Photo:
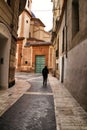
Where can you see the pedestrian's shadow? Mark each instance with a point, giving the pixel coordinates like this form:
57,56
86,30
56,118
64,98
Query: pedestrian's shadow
46,88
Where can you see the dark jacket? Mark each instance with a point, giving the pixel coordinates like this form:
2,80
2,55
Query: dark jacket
45,72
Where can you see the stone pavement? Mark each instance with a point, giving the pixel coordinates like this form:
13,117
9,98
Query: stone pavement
10,96
69,114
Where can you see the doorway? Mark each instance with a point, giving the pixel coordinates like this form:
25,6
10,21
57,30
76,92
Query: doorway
5,42
62,70
40,63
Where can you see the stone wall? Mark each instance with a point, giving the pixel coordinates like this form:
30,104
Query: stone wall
9,13
14,27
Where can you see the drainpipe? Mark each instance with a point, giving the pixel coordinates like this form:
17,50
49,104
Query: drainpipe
66,24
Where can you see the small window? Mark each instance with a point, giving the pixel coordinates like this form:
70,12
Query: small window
75,17
26,21
29,34
63,40
26,62
57,66
57,53
1,61
58,47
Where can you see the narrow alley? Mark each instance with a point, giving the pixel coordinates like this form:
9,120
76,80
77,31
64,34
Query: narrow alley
30,106
34,35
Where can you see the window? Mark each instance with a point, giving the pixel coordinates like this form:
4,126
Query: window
29,34
57,50
57,66
63,40
26,62
26,21
56,53
75,17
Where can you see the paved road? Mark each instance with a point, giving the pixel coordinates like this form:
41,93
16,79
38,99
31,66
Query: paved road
34,110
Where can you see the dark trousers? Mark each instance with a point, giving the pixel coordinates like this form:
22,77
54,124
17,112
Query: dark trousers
44,81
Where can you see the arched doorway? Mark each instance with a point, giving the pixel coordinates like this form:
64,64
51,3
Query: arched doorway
5,43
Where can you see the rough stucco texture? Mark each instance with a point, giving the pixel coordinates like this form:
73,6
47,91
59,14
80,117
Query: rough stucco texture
75,74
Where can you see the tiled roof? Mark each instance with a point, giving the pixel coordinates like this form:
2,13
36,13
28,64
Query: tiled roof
37,44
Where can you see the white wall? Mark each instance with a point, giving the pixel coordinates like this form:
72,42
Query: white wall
19,25
26,26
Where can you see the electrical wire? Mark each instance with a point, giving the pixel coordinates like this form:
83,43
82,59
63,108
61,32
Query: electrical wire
42,10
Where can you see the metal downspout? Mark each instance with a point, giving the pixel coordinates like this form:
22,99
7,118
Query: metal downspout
66,26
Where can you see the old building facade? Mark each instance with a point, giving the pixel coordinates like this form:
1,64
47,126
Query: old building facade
71,35
34,48
57,37
9,12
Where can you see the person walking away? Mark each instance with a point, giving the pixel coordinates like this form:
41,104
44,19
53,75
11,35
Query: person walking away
45,72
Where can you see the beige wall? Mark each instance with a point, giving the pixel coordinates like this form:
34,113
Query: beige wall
24,25
38,32
75,65
73,73
8,32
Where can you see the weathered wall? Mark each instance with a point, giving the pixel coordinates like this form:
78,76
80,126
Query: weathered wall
24,24
75,78
75,65
9,20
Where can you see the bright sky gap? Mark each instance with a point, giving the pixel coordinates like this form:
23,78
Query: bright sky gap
43,10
